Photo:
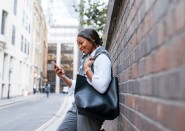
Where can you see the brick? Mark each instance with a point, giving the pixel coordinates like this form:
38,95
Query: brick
170,22
148,65
147,45
160,9
170,85
141,68
153,127
180,16
147,5
153,39
133,11
182,84
161,83
160,33
134,71
155,85
137,121
140,50
143,49
137,53
138,104
130,45
129,87
165,115
162,59
129,100
130,115
179,119
122,111
136,87
121,77
176,52
137,3
134,56
129,73
150,109
146,87
131,59
146,107
134,40
148,22
171,88
139,33
125,85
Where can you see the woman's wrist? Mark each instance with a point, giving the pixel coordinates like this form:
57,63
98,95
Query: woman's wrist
67,80
86,70
63,77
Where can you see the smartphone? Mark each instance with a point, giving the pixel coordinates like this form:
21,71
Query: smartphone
55,64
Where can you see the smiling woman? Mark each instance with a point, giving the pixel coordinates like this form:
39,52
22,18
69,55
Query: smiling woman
89,44
85,45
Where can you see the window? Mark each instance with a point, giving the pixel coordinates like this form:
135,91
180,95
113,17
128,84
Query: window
25,46
13,35
23,19
28,48
3,23
29,29
15,7
22,42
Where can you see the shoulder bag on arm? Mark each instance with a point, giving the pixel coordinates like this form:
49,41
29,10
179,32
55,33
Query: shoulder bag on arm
91,103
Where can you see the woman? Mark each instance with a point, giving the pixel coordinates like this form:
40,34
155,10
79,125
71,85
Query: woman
89,44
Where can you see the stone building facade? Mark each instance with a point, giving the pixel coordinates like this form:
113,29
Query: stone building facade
146,40
23,45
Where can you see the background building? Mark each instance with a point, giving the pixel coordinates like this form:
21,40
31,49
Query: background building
39,47
62,31
17,67
146,39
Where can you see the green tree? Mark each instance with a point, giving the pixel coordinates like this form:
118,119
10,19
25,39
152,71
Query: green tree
93,13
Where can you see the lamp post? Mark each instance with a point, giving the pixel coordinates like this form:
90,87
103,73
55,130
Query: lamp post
10,72
34,82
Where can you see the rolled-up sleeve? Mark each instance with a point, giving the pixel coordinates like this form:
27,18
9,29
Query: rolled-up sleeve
72,87
102,73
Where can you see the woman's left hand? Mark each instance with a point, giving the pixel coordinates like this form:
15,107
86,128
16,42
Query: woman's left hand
88,62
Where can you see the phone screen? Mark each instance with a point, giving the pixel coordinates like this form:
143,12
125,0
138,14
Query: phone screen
57,66
54,64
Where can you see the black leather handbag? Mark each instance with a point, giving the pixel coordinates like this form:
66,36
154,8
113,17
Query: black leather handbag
91,103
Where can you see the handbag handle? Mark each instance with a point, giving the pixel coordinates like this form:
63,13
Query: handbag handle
104,52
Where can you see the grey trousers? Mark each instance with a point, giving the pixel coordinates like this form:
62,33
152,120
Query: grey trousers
75,122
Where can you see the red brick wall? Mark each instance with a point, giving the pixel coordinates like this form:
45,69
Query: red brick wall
146,40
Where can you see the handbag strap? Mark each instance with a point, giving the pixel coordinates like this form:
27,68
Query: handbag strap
100,51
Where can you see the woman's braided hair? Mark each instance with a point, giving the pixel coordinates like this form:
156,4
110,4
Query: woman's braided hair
91,35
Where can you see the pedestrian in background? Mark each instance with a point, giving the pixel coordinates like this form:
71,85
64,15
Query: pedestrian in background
89,44
34,89
47,90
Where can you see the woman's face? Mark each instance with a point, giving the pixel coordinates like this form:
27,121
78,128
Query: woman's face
85,45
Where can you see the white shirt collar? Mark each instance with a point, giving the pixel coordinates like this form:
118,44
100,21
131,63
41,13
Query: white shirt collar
93,53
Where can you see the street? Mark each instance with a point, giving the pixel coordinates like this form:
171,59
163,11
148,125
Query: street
30,114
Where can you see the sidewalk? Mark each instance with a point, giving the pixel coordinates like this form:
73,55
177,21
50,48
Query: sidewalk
15,100
55,121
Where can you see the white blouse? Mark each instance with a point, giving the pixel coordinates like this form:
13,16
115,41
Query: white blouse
102,73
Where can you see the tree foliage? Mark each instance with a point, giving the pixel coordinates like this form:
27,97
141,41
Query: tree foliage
93,13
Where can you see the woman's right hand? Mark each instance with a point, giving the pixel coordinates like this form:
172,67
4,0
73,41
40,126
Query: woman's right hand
59,71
